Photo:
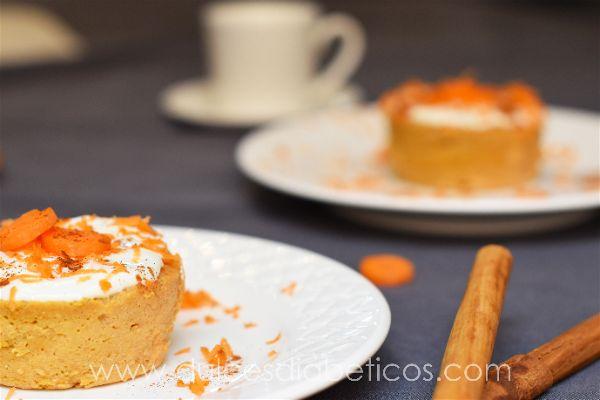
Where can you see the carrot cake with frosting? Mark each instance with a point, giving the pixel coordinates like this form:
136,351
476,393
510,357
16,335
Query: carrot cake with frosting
84,301
459,133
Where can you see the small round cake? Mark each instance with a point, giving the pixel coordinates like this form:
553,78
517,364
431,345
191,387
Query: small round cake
461,134
84,301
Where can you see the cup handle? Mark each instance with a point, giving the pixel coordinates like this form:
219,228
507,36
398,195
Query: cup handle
352,48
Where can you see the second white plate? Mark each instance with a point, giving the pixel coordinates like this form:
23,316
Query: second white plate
335,157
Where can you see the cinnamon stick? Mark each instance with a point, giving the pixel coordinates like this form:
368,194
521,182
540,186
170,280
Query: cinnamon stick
527,376
471,342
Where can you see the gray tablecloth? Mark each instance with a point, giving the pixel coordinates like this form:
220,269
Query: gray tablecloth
88,138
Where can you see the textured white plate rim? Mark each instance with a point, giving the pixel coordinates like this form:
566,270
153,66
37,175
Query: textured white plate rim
359,356
373,337
372,201
168,104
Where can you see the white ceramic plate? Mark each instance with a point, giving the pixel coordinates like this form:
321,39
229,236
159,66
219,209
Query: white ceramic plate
335,157
333,321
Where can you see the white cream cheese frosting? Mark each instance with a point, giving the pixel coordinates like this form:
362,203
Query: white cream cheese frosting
477,118
129,262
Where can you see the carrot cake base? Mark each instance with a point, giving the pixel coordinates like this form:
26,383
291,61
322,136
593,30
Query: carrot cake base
90,342
450,157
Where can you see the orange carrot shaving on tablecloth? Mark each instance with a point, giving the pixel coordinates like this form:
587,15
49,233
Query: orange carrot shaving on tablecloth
387,269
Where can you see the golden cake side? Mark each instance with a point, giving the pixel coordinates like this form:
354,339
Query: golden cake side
481,137
59,345
79,308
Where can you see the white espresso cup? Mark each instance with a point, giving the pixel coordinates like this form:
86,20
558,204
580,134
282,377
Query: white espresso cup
263,56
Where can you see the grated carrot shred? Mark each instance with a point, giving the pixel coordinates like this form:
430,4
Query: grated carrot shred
198,385
275,339
199,299
105,285
233,311
249,325
182,351
289,289
209,319
220,354
190,323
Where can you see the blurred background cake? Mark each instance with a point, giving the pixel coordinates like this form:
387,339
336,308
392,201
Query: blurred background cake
462,134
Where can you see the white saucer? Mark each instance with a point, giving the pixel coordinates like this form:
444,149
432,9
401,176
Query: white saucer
323,156
189,102
331,323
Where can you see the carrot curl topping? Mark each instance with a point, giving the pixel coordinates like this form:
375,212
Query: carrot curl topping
26,228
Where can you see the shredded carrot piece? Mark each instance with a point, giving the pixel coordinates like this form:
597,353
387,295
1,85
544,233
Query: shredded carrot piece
10,393
26,228
198,299
182,351
197,386
275,339
105,285
191,322
136,221
220,354
387,269
74,243
209,319
249,325
591,182
463,91
233,311
272,354
289,289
